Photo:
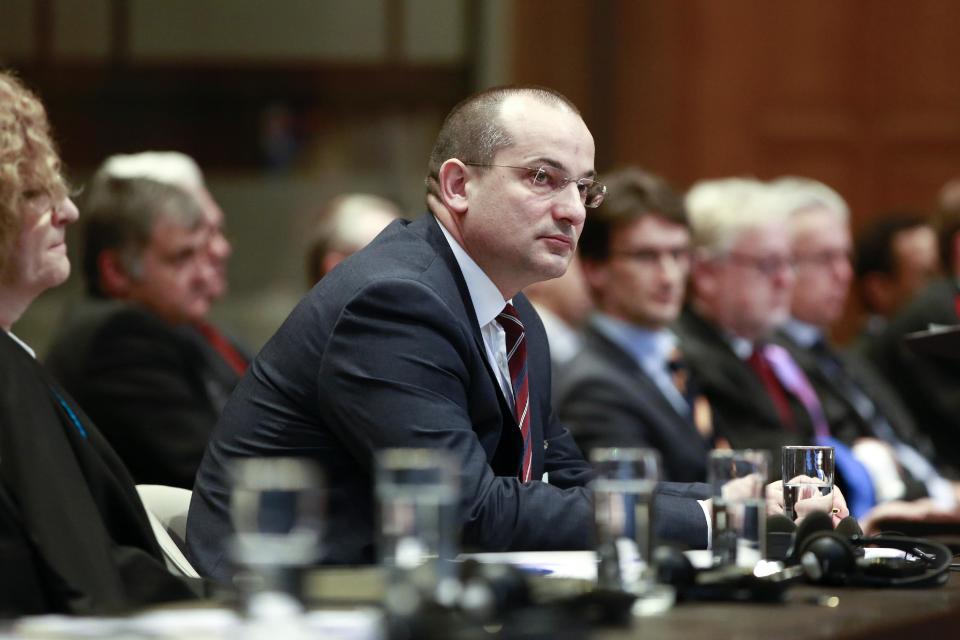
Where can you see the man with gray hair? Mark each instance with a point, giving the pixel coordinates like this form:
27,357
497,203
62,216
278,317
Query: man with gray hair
134,354
344,225
180,170
742,281
862,410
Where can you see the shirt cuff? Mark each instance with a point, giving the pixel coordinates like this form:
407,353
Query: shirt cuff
707,515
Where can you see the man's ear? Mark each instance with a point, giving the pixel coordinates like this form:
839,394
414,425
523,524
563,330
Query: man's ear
452,181
115,281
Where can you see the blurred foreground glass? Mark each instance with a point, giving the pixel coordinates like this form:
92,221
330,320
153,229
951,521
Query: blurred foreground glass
808,474
623,490
737,481
277,512
418,492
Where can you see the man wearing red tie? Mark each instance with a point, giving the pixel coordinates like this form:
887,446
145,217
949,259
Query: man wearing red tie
423,339
139,355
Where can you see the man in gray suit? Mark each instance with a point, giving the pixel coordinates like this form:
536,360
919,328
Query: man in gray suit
628,386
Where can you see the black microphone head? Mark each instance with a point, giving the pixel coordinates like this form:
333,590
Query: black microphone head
780,530
779,523
813,523
849,529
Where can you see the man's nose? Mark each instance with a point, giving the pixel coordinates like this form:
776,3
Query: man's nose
570,205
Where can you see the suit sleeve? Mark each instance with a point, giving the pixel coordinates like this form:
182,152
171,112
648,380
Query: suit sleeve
399,371
600,414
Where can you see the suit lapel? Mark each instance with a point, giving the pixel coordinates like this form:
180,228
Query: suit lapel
657,403
429,228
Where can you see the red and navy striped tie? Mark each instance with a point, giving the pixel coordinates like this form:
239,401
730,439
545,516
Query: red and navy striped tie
509,319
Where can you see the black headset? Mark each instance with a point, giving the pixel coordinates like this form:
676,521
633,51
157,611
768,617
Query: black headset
837,557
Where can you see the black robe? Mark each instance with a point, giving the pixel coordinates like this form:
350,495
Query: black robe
71,521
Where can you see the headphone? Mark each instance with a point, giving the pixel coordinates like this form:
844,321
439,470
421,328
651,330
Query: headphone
836,557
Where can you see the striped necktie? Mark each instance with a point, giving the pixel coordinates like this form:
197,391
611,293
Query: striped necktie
509,319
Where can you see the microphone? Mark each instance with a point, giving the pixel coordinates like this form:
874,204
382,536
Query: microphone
816,521
780,532
850,529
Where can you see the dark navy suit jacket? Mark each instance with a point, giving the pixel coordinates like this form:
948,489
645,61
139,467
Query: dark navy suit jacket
386,352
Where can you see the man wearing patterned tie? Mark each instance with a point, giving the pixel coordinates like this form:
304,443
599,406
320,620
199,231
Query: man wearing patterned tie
622,388
419,340
742,281
862,410
138,353
928,381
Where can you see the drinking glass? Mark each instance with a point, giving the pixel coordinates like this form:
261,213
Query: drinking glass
277,509
737,479
623,489
418,492
808,474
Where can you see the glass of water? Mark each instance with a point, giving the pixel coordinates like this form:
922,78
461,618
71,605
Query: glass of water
808,474
737,480
418,491
277,508
623,489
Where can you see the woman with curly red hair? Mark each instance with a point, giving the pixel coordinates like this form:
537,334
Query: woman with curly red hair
74,536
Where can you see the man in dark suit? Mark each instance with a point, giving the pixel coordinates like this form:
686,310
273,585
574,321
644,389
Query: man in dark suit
928,382
862,410
404,345
74,537
138,354
741,279
622,388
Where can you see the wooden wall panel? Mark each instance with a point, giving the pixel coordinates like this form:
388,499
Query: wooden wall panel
861,94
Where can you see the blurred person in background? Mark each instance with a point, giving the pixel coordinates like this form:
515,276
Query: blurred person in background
950,194
563,305
742,280
138,353
860,408
929,381
180,170
896,256
623,388
346,224
74,537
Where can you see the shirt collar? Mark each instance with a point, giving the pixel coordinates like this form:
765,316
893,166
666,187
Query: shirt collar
23,344
804,334
487,300
651,347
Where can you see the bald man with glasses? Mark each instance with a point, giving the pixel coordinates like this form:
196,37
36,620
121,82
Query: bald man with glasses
423,339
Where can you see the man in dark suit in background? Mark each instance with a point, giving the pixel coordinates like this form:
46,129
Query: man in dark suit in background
404,344
929,382
134,354
622,388
741,281
862,410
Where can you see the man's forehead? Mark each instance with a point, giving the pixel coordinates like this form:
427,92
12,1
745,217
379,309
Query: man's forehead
766,238
651,225
541,128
